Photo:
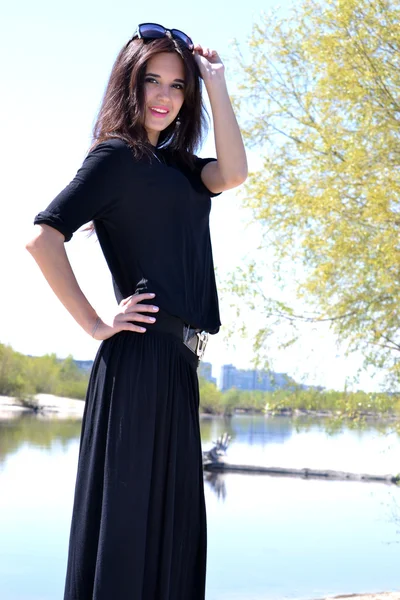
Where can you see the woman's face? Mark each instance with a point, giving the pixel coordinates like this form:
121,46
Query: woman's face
164,87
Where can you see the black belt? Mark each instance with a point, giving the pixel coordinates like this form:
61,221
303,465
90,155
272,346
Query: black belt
194,338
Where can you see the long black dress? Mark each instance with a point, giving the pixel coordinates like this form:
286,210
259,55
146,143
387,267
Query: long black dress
139,523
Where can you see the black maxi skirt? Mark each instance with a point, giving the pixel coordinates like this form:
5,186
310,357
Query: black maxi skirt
138,528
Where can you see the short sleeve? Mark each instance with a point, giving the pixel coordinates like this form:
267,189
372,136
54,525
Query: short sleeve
92,192
199,163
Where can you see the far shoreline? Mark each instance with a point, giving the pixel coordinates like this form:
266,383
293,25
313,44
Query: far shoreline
44,405
49,405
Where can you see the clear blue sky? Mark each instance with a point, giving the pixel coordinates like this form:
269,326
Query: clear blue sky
56,58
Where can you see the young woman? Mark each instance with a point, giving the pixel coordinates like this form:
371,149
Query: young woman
139,524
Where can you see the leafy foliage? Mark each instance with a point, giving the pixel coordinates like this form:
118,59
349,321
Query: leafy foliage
22,376
320,98
340,406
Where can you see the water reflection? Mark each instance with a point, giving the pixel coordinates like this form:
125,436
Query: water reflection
251,429
295,538
216,483
37,432
269,537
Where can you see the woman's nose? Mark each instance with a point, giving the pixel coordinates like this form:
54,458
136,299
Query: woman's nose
164,92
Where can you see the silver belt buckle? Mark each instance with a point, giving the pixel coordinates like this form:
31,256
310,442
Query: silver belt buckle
202,339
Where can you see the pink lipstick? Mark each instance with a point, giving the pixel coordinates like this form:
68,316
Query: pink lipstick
159,111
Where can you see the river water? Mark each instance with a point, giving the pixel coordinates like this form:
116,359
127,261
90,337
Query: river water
269,538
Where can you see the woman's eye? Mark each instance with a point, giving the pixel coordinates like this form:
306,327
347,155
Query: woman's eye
177,86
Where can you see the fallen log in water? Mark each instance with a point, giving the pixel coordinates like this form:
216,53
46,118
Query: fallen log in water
223,467
212,462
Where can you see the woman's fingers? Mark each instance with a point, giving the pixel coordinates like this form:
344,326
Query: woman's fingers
135,298
135,328
129,326
130,311
132,316
105,331
206,52
125,301
142,308
135,307
140,297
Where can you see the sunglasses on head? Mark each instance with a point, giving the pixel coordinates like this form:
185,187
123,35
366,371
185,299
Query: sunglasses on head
153,31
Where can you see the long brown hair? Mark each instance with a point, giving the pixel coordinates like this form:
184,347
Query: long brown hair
122,110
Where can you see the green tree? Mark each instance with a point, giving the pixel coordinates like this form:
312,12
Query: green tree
320,99
44,373
23,376
211,401
13,372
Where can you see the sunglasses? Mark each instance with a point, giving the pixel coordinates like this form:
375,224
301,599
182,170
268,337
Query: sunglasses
153,31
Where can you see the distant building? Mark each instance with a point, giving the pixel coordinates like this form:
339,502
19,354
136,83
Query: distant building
84,365
205,371
252,379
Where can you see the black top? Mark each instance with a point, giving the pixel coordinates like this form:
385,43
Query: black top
152,222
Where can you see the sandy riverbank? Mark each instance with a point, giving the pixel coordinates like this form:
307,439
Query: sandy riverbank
47,405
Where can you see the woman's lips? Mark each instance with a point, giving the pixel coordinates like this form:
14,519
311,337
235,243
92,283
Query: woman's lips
160,115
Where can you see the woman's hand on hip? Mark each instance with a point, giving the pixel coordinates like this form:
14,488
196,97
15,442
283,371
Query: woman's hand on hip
129,309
